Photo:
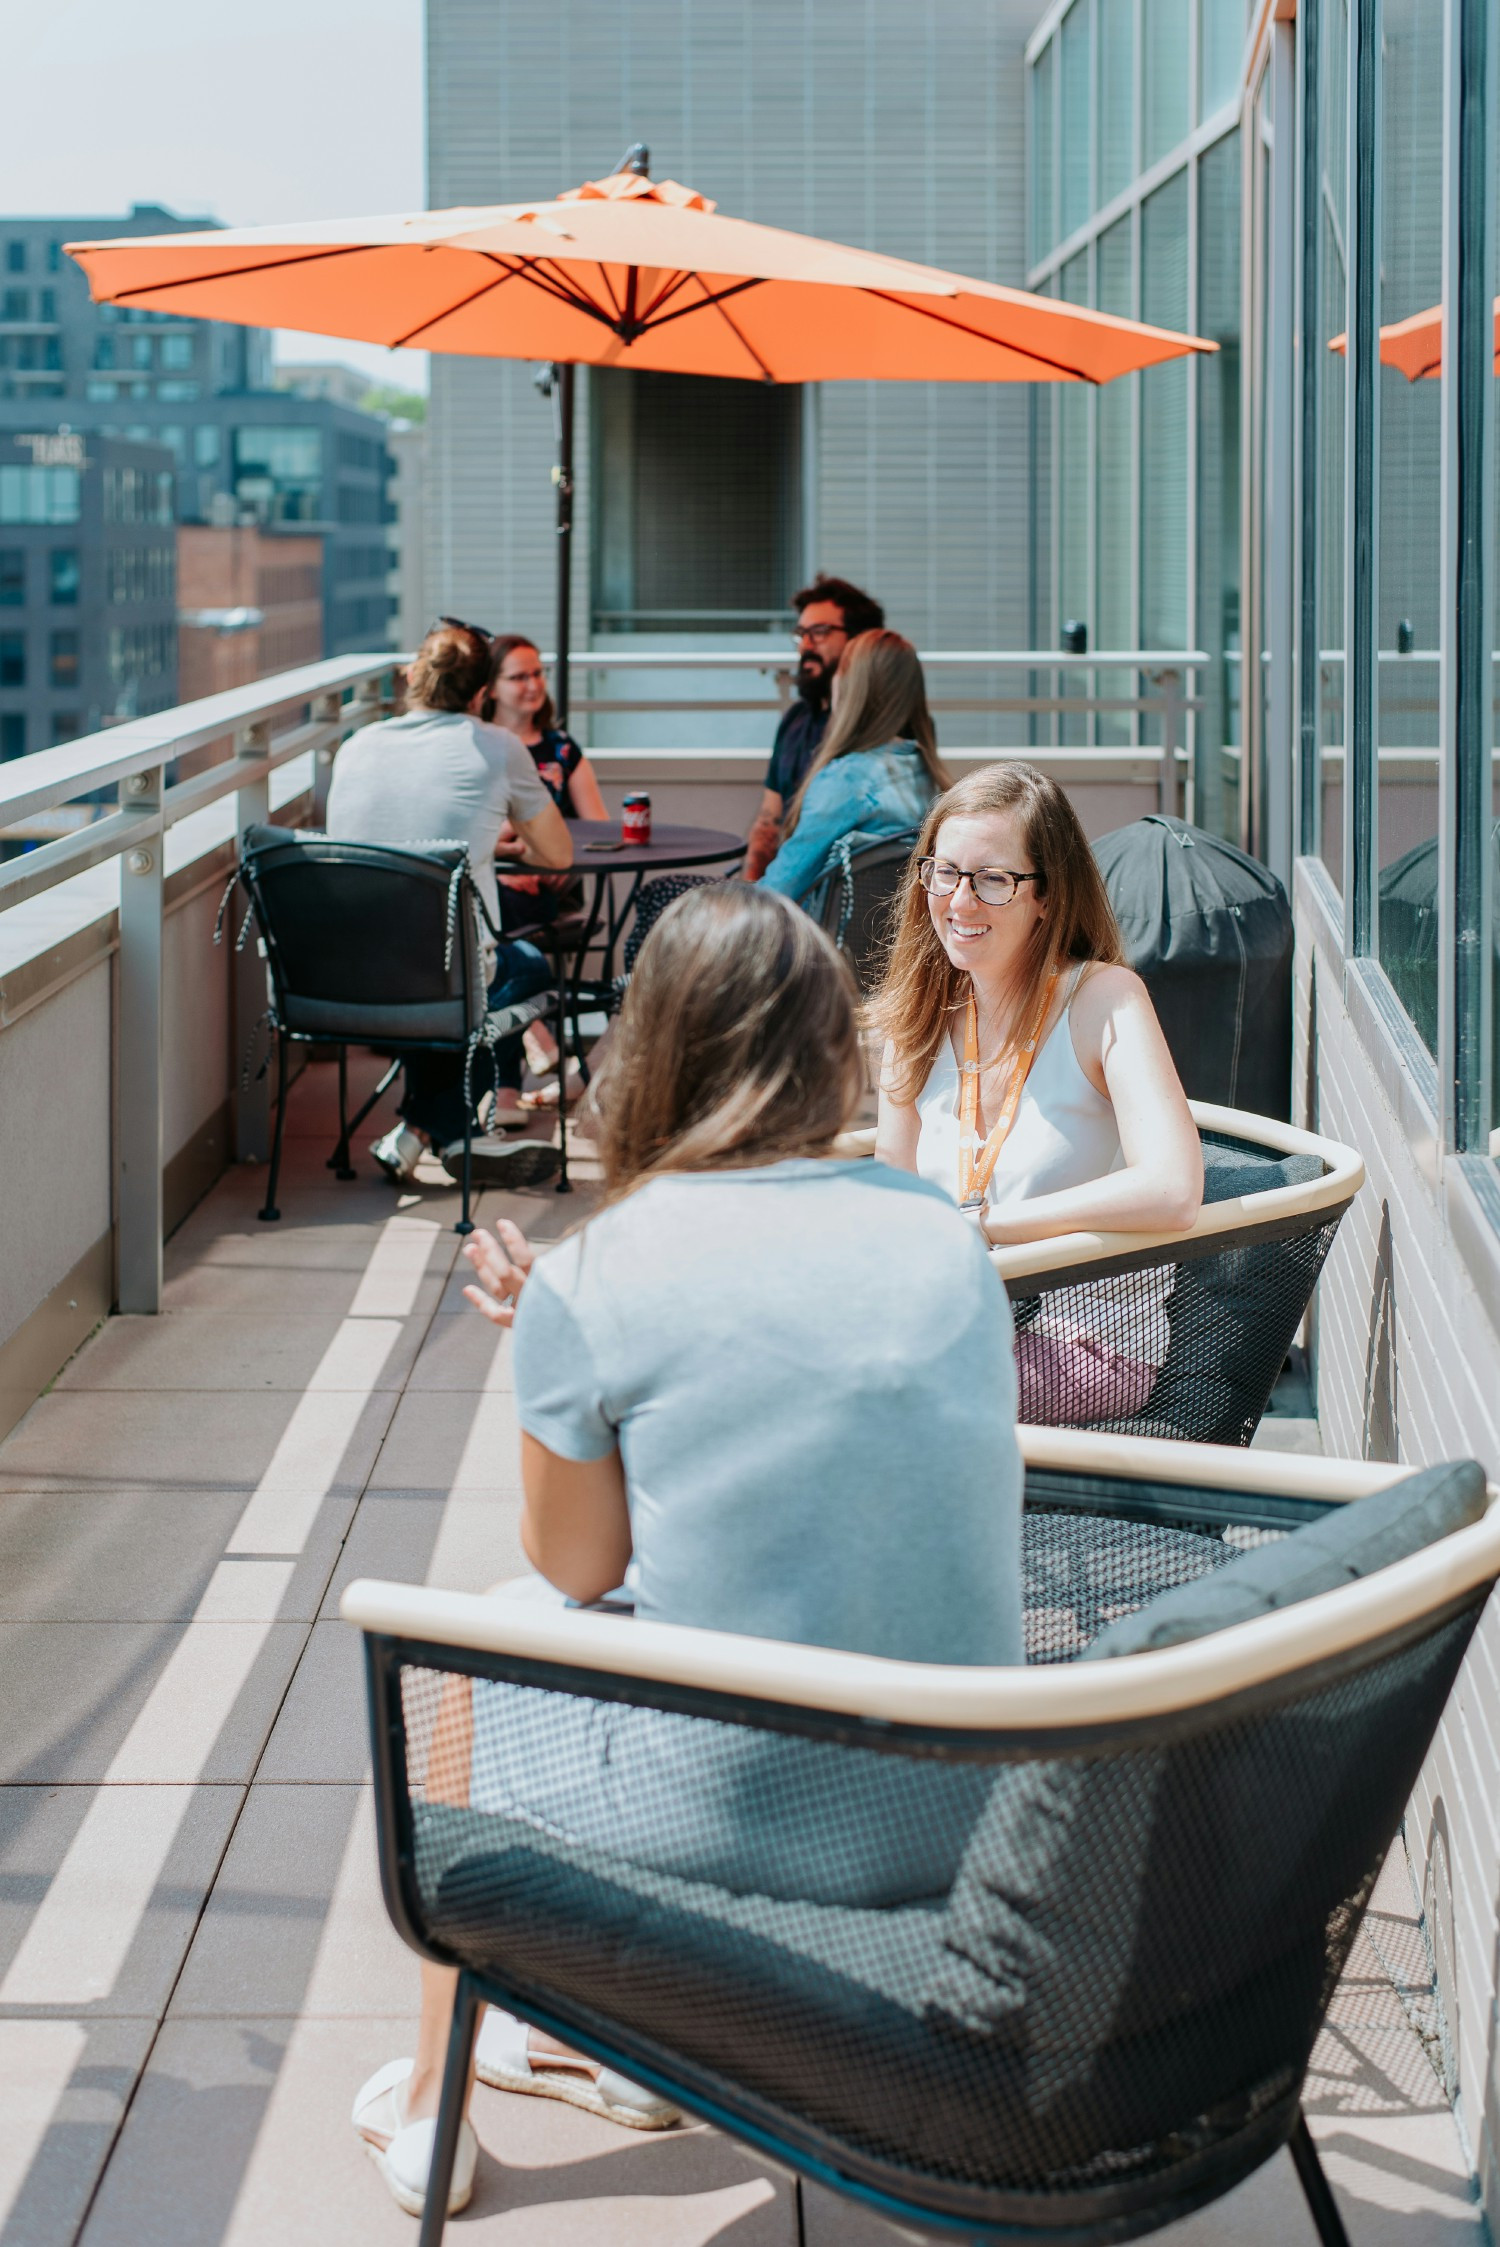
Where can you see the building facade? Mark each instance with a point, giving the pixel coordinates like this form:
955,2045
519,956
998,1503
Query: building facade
1315,184
88,599
249,603
242,450
701,506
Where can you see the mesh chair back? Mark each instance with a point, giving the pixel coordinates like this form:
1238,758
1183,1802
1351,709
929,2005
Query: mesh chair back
1080,1988
1186,1345
365,941
857,907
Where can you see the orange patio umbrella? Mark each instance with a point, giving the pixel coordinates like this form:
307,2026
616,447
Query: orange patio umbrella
1414,346
624,272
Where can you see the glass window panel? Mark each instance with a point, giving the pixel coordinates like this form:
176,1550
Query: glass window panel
1164,56
64,659
1221,41
1116,21
12,734
1409,558
1164,410
1218,605
12,659
1114,475
39,495
206,444
1333,61
1075,125
1043,231
63,576
12,577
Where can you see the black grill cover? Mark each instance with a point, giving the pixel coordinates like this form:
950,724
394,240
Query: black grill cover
1209,931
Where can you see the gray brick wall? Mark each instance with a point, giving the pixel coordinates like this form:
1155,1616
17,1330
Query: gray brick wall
1408,1368
895,124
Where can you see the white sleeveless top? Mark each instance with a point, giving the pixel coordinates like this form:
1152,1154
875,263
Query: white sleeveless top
1064,1134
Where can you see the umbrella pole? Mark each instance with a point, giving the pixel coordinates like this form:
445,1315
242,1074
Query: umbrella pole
564,478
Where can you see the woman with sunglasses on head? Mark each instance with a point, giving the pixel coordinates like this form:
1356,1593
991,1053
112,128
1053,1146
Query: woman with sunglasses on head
1026,1072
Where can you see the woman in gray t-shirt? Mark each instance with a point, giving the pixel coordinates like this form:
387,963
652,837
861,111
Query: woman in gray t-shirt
774,1393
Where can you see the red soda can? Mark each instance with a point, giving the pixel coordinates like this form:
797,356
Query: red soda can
636,826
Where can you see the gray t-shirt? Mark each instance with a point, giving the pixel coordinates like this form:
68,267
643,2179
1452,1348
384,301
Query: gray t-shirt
809,1372
435,776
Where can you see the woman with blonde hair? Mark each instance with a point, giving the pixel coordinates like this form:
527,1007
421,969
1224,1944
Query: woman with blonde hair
727,1403
1025,1070
877,768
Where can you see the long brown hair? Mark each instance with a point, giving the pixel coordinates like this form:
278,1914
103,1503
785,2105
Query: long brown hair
921,987
882,697
736,1045
504,644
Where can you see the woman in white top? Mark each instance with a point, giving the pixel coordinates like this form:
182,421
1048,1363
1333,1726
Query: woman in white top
1006,976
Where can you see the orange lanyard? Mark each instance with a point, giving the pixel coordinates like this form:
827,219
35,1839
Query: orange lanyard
976,1164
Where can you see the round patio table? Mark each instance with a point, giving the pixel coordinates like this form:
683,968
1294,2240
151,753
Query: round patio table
600,849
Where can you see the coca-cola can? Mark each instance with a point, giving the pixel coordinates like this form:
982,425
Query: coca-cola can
636,827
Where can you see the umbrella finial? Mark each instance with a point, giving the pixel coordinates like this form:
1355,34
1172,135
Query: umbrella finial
637,159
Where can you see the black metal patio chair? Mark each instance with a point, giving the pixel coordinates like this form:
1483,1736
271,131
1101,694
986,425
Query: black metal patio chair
1214,1310
369,945
858,897
1103,2017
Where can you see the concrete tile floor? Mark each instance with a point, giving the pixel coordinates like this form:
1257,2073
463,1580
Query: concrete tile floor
196,1969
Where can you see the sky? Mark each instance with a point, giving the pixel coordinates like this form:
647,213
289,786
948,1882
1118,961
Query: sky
282,109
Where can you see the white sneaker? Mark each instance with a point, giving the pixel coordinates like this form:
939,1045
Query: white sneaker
399,1153
402,2150
503,2059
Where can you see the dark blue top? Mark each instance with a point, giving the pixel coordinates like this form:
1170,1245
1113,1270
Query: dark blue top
557,757
796,744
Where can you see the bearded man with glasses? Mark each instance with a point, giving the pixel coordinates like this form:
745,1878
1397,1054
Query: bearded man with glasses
830,613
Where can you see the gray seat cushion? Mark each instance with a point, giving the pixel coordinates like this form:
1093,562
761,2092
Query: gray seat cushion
1349,1541
1036,1895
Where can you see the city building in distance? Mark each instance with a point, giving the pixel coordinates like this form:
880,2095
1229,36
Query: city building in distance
242,451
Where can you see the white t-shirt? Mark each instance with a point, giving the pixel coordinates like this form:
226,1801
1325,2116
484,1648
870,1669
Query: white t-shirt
435,776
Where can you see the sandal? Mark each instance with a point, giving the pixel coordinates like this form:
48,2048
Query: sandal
402,2150
503,2058
545,1096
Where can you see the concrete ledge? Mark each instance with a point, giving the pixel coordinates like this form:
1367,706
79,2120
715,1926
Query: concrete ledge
42,1345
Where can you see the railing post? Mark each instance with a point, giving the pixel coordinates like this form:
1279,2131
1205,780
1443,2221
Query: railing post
138,1140
327,709
1170,684
252,1100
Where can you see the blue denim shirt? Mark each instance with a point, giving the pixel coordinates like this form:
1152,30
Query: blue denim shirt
873,792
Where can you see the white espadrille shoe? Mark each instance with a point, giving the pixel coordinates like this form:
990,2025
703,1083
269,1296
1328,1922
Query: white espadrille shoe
504,2060
402,2150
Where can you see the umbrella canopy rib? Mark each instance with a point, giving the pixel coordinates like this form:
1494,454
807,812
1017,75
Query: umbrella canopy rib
240,272
486,288
1018,350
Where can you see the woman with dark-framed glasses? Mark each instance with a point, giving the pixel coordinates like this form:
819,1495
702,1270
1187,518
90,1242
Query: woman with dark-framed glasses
1025,1070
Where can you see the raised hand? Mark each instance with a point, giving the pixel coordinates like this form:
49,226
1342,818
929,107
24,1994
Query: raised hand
501,1262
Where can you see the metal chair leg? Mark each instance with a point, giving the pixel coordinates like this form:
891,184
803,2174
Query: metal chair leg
338,1161
466,1223
271,1215
450,2112
564,1184
1316,2189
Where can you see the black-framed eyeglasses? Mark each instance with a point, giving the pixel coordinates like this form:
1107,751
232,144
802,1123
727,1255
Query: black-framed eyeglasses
992,885
817,633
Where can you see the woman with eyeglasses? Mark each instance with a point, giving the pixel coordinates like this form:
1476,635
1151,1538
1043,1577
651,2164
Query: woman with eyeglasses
520,701
1025,1070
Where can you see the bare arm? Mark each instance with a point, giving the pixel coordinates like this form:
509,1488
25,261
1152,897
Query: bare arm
546,837
898,1125
584,793
1159,1188
764,838
575,1524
